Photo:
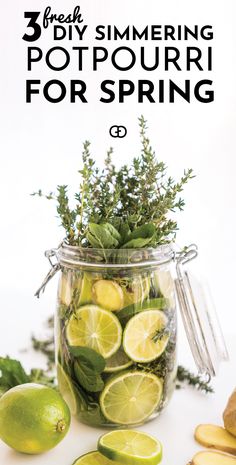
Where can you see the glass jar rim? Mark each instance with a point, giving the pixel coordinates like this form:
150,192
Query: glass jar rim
70,255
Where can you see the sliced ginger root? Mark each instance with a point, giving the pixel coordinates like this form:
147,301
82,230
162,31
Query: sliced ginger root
229,415
212,458
215,437
108,294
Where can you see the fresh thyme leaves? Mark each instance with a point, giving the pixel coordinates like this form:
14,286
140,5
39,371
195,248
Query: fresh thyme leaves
159,334
185,376
133,204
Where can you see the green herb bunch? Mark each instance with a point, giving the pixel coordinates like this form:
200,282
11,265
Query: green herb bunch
129,207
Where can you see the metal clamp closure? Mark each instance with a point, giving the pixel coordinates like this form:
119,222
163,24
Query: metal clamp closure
55,267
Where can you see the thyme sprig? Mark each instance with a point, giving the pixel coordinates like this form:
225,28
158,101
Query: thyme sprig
139,194
185,376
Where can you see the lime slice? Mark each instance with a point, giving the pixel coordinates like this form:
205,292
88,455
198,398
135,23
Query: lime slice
153,304
94,327
141,341
93,458
164,281
131,447
66,389
130,398
118,361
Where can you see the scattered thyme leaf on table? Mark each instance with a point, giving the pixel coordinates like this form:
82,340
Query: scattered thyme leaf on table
137,201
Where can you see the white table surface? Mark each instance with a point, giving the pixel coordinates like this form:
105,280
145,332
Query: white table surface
174,427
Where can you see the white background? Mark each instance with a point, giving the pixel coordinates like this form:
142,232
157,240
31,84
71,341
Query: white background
41,146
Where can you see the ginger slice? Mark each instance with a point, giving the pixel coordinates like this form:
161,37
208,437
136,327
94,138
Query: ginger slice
212,458
108,294
215,437
229,414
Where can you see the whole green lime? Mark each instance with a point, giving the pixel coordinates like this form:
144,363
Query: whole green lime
33,418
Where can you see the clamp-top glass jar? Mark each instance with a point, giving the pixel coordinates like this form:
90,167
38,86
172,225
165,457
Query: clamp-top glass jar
116,331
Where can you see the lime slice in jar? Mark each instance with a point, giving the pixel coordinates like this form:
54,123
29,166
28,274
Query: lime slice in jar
131,397
131,447
94,327
117,362
108,294
93,458
66,389
145,336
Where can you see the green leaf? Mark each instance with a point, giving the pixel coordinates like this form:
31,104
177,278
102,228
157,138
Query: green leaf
87,367
141,236
86,376
103,236
11,373
96,360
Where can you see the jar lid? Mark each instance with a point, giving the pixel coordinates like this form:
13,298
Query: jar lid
199,317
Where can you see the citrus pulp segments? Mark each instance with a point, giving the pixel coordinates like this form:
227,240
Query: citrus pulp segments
131,447
94,327
138,336
131,397
66,389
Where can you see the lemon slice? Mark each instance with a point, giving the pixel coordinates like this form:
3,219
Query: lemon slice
94,327
93,458
140,343
131,447
117,362
130,398
66,389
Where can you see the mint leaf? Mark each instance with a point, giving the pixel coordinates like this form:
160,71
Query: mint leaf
87,367
103,236
141,236
96,360
86,376
11,374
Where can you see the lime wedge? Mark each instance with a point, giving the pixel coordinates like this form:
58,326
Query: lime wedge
141,341
93,458
131,447
66,389
117,362
94,327
130,398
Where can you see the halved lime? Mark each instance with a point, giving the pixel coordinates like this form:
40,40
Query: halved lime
131,397
93,458
131,447
66,389
141,341
94,327
117,362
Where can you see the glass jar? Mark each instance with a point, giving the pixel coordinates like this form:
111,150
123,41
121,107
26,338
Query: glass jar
116,330
116,333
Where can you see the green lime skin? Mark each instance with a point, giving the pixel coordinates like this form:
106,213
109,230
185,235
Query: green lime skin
33,418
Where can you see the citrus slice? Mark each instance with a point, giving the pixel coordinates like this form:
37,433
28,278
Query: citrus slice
108,294
93,458
141,341
130,398
94,327
118,361
131,447
66,389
